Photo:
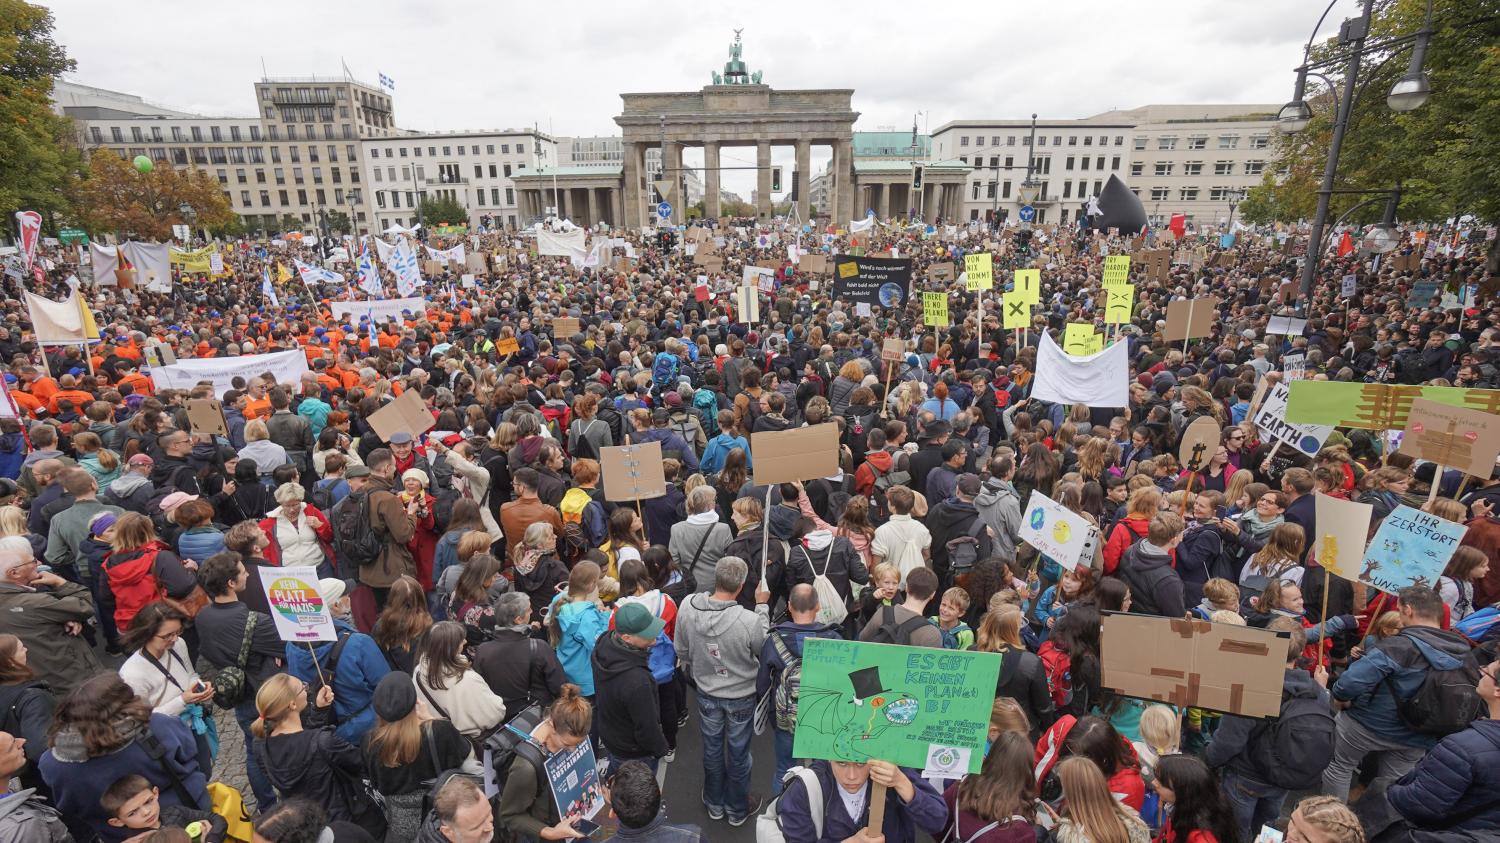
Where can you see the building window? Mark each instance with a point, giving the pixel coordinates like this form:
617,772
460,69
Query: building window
179,156
520,149
337,175
256,156
116,135
1159,194
989,190
199,156
1005,190
1163,168
236,155
239,176
322,197
510,196
1260,141
1167,142
478,171
494,171
312,152
296,153
260,176
1088,140
1067,190
1072,140
1068,164
489,149
1042,141
281,197
1114,163
217,156
504,149
505,168
291,132
1192,168
265,198
302,196
1197,142
1140,142
244,197
1223,168
377,175
380,199
431,152
974,193
979,141
1254,168
333,152
297,175
1136,168
1229,141
1189,194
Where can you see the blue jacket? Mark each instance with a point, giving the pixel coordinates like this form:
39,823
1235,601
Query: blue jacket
581,623
1456,785
12,452
718,449
670,442
793,635
200,543
316,411
925,811
361,667
1400,663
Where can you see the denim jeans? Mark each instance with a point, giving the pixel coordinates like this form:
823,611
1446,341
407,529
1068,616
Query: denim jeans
1255,804
726,753
260,783
1352,743
784,760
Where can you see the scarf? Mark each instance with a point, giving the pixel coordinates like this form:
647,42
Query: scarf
818,540
68,744
1250,522
527,563
700,519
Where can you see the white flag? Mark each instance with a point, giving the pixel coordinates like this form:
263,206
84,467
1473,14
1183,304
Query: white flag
453,255
383,249
267,290
403,263
369,279
317,275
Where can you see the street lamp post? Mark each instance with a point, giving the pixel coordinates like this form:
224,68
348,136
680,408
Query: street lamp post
353,195
189,216
1235,198
1408,94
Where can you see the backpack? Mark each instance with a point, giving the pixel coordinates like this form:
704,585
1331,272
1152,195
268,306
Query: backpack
891,632
831,607
682,425
1445,702
321,497
574,542
662,657
442,508
231,685
857,431
884,482
1057,667
768,825
788,686
964,551
664,370
355,539
615,419
580,447
1293,749
708,407
512,742
950,636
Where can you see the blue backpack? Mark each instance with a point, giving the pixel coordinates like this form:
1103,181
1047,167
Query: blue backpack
664,370
663,659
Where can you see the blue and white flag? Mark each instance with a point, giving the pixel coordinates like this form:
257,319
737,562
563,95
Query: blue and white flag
266,289
369,279
403,263
387,82
317,275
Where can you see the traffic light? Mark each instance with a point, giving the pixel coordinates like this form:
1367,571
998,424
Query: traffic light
916,177
775,179
1023,241
796,178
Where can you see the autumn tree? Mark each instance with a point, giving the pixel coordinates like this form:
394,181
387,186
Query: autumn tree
115,197
38,153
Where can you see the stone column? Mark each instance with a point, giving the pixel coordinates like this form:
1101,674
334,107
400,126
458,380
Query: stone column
632,171
884,207
617,208
763,179
711,206
588,193
843,161
671,173
930,208
804,178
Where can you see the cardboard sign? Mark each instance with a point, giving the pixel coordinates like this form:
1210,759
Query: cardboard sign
564,327
1411,547
1452,436
1116,270
1189,318
912,706
1029,282
1217,666
1376,406
935,309
297,605
1015,310
1119,303
206,415
508,345
158,355
632,472
407,413
474,263
892,350
812,264
1199,442
1342,529
802,453
1307,439
980,270
1057,532
944,271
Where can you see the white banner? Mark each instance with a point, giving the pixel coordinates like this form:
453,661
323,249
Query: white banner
1101,379
153,267
856,226
286,366
1305,438
387,309
562,244
453,255
55,321
1055,531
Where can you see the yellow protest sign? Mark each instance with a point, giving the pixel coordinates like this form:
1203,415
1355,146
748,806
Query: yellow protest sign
935,309
1119,303
1116,270
980,269
848,269
1080,338
1017,310
1029,281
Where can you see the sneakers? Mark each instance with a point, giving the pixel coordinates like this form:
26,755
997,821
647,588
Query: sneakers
670,756
714,813
682,720
756,803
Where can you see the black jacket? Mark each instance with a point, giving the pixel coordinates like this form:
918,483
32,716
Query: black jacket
520,669
1023,679
626,703
221,629
947,521
1155,587
927,457
305,763
1237,738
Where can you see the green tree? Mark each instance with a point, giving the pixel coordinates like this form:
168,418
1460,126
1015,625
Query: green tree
337,222
231,230
115,197
291,222
38,152
440,209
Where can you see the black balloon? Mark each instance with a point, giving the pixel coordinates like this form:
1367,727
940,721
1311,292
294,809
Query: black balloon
1119,209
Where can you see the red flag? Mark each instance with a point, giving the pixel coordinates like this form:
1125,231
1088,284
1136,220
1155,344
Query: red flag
30,224
1346,245
1178,224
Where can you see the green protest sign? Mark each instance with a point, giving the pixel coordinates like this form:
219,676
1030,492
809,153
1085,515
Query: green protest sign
913,706
73,235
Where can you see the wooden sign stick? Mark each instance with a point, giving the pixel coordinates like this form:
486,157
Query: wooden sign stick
316,666
877,809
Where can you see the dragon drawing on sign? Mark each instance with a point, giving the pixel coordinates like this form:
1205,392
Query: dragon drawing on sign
853,719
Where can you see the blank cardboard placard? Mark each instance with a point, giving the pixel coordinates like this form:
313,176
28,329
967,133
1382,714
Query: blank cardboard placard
1189,318
812,264
1217,666
1457,437
804,453
564,327
406,413
942,271
1343,527
1199,441
206,415
632,472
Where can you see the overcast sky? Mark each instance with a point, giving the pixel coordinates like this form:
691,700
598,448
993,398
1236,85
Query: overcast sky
465,64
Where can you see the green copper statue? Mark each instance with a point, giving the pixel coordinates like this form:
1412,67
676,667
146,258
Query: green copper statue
735,72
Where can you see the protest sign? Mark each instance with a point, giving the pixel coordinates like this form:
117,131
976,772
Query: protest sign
747,303
286,366
1294,366
297,605
759,276
1286,326
564,327
158,354
1119,304
1218,666
942,271
883,282
892,350
1029,281
1452,436
935,309
1342,528
1099,380
1016,310
1349,286
507,345
801,453
1199,442
812,264
912,706
574,776
1116,270
1308,439
1081,338
1058,533
980,269
407,414
206,415
1411,547
632,472
1376,406
1189,318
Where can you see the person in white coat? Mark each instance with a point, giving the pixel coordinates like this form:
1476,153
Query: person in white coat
451,688
161,673
470,480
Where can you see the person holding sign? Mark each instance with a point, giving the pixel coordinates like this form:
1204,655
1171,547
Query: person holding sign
527,806
911,803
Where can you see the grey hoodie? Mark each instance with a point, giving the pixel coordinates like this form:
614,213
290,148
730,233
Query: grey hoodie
719,642
1000,509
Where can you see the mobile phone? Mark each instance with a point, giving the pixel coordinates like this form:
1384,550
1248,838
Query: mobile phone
587,827
1221,512
199,687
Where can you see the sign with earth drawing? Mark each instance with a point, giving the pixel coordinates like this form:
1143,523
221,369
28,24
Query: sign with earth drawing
912,706
1056,531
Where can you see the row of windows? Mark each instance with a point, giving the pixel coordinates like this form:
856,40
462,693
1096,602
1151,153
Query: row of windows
1201,142
1041,140
489,149
1195,168
304,94
1191,194
283,198
479,197
446,172
307,115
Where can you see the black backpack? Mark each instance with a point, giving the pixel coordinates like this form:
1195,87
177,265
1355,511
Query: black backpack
581,447
354,537
891,632
966,549
1291,751
1445,702
512,742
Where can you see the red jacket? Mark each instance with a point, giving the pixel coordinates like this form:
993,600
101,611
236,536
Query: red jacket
864,476
1126,784
321,527
1126,531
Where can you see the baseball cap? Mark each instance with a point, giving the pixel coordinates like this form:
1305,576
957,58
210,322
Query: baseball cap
672,399
140,459
635,619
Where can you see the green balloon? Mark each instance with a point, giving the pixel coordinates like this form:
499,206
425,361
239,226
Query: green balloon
143,164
